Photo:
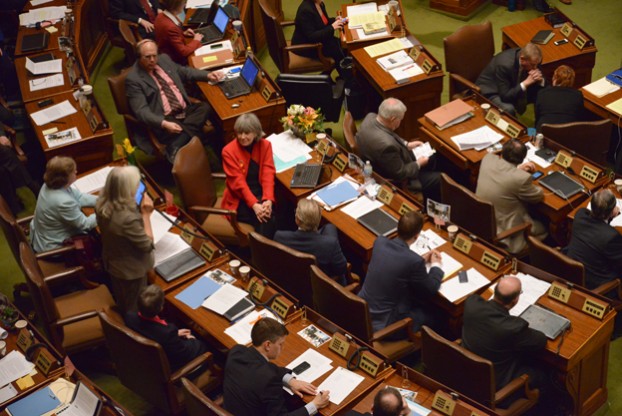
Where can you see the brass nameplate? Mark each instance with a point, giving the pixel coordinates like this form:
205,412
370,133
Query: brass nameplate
589,173
595,308
443,403
563,159
256,288
566,29
339,344
385,195
512,131
392,22
404,208
280,307
490,260
322,147
186,234
463,244
427,66
24,339
580,42
340,162
370,363
414,53
493,117
44,361
208,250
559,292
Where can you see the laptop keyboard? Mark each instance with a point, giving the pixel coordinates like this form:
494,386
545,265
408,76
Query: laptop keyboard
306,175
210,34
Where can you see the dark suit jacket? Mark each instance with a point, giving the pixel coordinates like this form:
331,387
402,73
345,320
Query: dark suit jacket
178,350
171,40
492,333
598,246
558,105
309,26
253,386
131,10
500,77
325,248
397,284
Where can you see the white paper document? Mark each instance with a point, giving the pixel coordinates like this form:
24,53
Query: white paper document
601,87
241,330
532,288
425,150
53,113
224,299
406,72
196,4
168,246
92,182
39,2
427,240
53,66
477,139
340,383
361,206
288,147
7,392
43,83
453,290
359,9
13,366
449,265
50,13
320,365
60,138
533,157
160,225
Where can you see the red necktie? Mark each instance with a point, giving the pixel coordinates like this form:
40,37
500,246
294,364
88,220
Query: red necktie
147,8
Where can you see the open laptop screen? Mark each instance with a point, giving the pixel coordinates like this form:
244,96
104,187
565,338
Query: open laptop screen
250,71
221,20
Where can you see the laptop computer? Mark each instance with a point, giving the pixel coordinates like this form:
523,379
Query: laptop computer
242,84
176,266
204,15
561,184
36,42
215,30
379,222
83,403
306,175
545,321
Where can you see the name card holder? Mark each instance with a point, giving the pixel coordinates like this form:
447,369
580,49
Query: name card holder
256,288
443,403
208,250
579,39
45,362
579,300
265,87
494,118
385,195
481,253
425,61
340,162
186,234
24,339
566,29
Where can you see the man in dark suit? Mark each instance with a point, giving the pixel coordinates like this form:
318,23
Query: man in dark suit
141,12
392,156
253,386
595,243
513,78
179,345
397,284
322,243
387,402
156,95
492,333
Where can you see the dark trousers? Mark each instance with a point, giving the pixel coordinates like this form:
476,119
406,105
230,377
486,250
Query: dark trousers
196,116
14,175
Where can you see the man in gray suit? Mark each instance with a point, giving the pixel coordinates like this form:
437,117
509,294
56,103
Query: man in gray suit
156,95
392,156
506,182
513,78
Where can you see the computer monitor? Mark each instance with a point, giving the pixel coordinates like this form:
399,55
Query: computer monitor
221,19
250,71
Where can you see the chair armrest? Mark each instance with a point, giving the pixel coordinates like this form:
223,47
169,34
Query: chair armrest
54,252
352,287
25,220
233,218
403,324
219,175
512,387
521,228
302,47
76,318
608,287
286,23
464,81
192,365
69,273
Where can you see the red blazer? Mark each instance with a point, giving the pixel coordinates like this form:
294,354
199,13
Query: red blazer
171,40
235,162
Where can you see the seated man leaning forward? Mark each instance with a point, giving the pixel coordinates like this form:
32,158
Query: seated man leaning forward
392,156
387,402
323,243
156,94
179,345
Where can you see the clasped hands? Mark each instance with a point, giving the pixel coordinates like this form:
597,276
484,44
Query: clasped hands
432,256
263,210
300,387
535,75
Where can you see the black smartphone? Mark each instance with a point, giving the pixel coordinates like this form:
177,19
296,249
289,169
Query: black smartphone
140,193
462,276
536,175
303,366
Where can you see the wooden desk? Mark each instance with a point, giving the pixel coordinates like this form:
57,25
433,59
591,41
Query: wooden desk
24,77
598,105
350,38
23,31
420,95
582,61
91,151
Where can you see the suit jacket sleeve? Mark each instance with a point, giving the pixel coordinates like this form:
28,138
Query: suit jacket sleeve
273,399
136,91
528,339
134,231
236,177
421,279
72,215
117,11
267,171
175,37
310,25
613,251
529,192
509,91
394,167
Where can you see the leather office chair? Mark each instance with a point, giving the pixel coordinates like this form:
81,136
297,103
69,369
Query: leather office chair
351,312
317,91
465,203
130,37
198,404
112,28
472,44
281,51
199,196
471,375
589,139
70,319
349,132
142,366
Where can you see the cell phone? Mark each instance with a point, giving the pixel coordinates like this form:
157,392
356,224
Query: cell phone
560,42
140,193
462,276
300,368
45,103
536,175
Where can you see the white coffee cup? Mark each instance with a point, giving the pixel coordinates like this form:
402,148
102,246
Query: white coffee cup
22,323
618,184
2,348
245,272
452,232
3,333
234,266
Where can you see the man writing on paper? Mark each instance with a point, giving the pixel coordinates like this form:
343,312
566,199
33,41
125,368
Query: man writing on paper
513,78
506,182
157,96
253,386
397,285
392,156
387,402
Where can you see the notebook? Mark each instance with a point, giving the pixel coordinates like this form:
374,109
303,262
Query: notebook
176,266
36,42
306,175
36,403
216,30
449,114
561,184
545,321
379,222
242,84
543,37
204,15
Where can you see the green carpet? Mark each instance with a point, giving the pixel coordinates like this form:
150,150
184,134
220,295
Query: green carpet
599,18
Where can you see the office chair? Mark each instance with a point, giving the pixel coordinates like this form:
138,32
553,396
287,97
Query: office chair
589,139
198,404
349,133
351,312
473,44
112,29
200,198
473,376
316,91
130,37
282,52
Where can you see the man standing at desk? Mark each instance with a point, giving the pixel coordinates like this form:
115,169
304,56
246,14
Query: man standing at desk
513,78
156,95
397,285
506,182
253,386
391,155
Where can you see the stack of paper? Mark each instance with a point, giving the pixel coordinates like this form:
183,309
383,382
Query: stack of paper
532,288
340,383
477,139
394,60
320,365
533,157
288,150
53,113
42,14
383,48
168,246
53,66
361,207
13,366
616,106
453,290
427,240
92,182
601,87
43,83
449,266
224,299
450,114
425,150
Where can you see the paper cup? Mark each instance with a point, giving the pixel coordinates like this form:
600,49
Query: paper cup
234,265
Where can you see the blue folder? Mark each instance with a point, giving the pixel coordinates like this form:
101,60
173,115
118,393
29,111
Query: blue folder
335,194
37,403
196,293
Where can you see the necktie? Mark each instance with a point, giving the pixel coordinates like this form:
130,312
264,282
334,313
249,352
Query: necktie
176,107
148,9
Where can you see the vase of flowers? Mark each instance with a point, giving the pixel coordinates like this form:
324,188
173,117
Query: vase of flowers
129,151
303,121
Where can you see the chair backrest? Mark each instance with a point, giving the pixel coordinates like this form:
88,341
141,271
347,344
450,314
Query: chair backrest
590,139
555,262
198,404
191,163
10,228
473,44
117,88
339,305
141,364
464,203
315,91
275,38
457,368
287,267
349,132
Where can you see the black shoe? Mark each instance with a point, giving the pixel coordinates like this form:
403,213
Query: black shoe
542,6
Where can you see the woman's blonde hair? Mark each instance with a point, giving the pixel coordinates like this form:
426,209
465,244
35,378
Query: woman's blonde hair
118,193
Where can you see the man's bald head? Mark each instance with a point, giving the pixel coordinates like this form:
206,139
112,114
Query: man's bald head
507,291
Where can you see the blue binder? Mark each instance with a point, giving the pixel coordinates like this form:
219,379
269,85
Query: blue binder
37,403
616,77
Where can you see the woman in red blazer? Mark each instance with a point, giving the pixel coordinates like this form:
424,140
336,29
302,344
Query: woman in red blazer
170,35
250,171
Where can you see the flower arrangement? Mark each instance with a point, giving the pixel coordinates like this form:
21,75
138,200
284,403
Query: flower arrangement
129,151
303,120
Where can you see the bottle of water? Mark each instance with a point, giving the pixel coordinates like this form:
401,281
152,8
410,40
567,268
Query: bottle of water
367,171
